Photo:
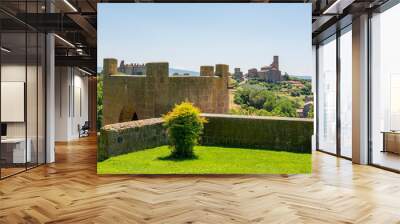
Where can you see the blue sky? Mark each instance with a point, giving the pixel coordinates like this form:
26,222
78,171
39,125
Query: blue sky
190,35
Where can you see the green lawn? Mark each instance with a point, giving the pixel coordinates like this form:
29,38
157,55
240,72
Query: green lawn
210,160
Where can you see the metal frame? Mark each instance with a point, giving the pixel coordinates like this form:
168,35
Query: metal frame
26,89
369,98
316,96
338,75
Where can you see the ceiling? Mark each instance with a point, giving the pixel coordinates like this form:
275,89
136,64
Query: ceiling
75,21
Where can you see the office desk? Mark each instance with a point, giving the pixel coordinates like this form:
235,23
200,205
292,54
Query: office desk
13,150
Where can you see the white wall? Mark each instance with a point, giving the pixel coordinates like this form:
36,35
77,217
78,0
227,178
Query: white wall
71,94
80,105
33,126
15,73
9,73
62,82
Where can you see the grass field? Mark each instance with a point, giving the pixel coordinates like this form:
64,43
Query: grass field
210,160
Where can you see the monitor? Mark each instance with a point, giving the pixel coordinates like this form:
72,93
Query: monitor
3,129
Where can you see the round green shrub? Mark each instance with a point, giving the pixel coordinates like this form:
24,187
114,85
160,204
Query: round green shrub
184,127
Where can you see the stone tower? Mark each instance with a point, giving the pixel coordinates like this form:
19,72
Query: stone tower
222,71
206,70
276,62
122,67
110,66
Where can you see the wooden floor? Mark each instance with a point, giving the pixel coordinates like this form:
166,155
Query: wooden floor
70,191
5,172
387,159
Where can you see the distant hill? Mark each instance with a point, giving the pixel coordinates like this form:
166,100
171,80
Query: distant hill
182,71
301,77
171,71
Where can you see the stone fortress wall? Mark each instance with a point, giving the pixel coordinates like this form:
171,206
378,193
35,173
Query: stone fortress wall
272,133
132,97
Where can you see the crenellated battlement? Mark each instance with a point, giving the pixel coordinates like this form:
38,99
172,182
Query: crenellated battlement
157,69
160,68
206,70
155,93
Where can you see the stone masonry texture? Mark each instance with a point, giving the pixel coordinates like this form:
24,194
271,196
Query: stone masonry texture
155,93
282,134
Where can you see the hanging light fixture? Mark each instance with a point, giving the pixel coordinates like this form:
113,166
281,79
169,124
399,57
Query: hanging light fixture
64,40
5,50
70,5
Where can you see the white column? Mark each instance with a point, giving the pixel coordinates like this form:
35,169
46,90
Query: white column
360,90
50,100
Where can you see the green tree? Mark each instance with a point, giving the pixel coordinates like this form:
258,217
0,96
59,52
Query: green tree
311,113
242,96
285,108
257,99
270,101
295,93
99,122
286,76
184,126
306,90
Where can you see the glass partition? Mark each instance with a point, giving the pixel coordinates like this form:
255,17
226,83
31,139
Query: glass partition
22,88
346,93
385,89
14,153
327,96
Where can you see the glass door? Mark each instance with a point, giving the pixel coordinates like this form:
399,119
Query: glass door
327,96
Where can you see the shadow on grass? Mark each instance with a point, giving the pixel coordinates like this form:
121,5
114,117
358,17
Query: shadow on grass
176,159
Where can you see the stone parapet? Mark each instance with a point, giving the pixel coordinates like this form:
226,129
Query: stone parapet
272,133
121,138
